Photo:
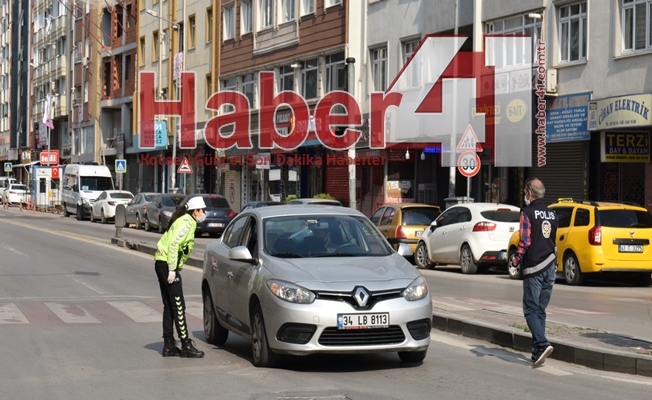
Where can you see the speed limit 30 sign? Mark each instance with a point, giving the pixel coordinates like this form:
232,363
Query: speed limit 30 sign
468,163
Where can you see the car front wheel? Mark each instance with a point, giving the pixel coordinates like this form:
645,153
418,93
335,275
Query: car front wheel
572,272
139,225
214,332
263,356
421,257
466,261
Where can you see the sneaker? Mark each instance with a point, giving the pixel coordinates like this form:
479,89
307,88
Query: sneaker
542,355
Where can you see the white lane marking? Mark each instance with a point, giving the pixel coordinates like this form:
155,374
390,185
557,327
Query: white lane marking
137,311
72,314
89,286
501,353
20,253
195,308
10,314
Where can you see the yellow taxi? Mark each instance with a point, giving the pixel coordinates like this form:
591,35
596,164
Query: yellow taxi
404,222
599,238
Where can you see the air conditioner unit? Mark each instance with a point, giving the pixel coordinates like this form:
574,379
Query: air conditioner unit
551,80
84,61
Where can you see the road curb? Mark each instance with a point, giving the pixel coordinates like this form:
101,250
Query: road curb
565,350
505,336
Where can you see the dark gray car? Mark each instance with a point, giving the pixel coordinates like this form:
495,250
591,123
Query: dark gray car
160,209
136,209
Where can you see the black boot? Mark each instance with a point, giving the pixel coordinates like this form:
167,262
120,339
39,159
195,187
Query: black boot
188,350
170,349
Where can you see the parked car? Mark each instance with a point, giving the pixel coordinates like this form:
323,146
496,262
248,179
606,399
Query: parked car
404,222
218,214
160,209
256,204
135,210
286,298
599,238
103,208
316,201
5,181
473,235
15,193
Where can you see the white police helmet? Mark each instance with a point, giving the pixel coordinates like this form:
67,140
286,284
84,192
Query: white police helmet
196,203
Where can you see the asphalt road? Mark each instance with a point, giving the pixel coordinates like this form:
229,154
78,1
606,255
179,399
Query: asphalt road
80,318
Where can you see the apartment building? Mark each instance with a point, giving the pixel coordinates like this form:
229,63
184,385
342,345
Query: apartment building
5,75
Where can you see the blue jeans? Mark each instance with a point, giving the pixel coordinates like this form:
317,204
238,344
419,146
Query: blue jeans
536,296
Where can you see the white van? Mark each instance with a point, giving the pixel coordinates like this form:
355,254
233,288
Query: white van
5,181
82,184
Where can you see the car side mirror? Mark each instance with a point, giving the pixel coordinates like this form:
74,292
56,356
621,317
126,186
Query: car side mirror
433,226
242,253
405,250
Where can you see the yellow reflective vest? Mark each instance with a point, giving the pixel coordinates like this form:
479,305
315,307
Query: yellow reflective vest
177,243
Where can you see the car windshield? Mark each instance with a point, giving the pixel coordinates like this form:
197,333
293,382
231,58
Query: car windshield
18,187
419,215
122,195
501,215
625,218
96,183
323,236
172,201
216,202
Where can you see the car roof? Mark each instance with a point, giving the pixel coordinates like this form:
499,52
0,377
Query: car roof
486,206
294,209
408,205
591,203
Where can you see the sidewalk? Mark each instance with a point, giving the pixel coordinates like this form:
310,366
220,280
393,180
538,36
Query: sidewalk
591,348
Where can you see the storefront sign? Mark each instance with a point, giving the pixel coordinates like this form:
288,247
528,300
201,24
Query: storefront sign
625,146
621,111
567,117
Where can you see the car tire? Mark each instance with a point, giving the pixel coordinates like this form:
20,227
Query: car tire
466,261
65,211
518,274
160,226
421,257
213,331
102,217
92,217
412,356
79,213
263,356
139,225
147,226
572,271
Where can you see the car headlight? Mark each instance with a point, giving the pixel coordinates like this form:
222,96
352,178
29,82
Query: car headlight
167,214
85,201
417,290
290,292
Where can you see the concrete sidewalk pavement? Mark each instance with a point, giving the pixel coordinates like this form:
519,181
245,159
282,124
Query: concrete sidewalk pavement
583,346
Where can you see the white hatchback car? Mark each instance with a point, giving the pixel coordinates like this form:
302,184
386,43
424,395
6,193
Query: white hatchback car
104,206
16,192
475,235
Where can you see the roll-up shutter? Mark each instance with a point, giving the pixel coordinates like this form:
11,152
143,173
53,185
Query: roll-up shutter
566,171
337,182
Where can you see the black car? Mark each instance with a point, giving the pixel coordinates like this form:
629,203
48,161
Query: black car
218,214
160,209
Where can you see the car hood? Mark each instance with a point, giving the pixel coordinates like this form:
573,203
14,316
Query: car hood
325,273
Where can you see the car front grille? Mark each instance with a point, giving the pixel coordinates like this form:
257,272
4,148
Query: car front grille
349,297
361,337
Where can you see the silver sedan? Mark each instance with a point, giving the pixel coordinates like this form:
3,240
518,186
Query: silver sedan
313,279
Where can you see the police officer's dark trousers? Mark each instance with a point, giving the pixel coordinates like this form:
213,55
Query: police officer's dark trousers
174,307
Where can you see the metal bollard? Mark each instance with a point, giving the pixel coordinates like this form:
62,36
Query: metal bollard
120,215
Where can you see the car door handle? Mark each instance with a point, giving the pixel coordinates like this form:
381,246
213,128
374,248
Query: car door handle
561,237
229,274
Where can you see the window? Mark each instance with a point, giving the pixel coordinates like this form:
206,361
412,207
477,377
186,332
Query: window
266,13
336,78
412,71
180,36
520,24
209,24
228,84
309,79
245,17
408,49
330,3
287,10
307,7
192,26
286,79
141,56
155,46
572,32
229,22
165,45
637,29
582,217
209,86
379,68
248,83
127,67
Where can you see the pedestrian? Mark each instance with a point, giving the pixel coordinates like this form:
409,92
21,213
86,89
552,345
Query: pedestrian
172,251
537,253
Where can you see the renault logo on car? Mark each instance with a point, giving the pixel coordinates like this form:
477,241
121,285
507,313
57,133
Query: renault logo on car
361,296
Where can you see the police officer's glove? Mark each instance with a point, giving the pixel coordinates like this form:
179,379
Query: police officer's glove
171,276
186,250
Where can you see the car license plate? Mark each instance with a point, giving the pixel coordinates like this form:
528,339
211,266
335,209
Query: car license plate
630,248
362,321
503,255
418,233
215,225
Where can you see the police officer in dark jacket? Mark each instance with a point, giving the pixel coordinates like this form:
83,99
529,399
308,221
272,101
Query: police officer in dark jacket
538,252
